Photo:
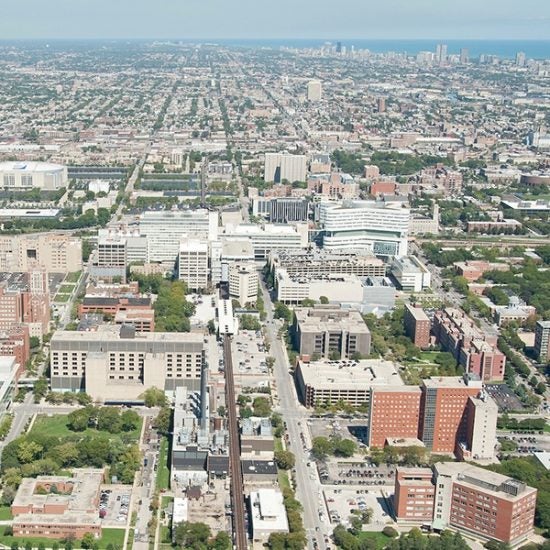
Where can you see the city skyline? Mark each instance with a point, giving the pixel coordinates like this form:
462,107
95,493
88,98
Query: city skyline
246,20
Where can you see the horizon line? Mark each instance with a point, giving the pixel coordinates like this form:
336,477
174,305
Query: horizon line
263,39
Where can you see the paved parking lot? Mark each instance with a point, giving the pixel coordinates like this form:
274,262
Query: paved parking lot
114,503
249,359
505,398
340,503
337,472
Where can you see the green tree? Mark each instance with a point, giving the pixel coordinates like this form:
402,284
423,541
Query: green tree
191,535
88,541
281,311
261,406
285,459
130,420
345,448
323,300
153,397
321,447
163,420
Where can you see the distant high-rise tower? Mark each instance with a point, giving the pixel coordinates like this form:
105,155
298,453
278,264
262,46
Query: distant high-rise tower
520,59
314,90
381,105
441,53
338,47
464,55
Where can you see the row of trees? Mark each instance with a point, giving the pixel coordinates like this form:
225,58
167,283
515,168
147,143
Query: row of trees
198,536
108,419
322,447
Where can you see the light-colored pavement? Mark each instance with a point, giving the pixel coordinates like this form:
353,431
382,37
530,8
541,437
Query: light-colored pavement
308,489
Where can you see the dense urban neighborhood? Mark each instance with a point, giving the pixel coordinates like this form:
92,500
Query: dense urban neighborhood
279,297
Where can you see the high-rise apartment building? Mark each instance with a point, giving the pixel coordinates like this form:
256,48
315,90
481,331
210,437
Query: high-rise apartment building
243,283
283,166
417,326
443,422
193,263
27,303
542,340
111,259
393,412
464,55
314,90
53,252
481,428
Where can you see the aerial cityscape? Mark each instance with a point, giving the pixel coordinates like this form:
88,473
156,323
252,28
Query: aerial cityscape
274,292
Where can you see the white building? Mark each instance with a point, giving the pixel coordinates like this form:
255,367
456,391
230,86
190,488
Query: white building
268,237
293,289
54,252
411,274
164,231
268,513
378,227
243,282
32,175
283,166
193,263
482,431
314,90
99,186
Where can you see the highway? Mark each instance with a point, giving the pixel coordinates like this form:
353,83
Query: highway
308,487
237,492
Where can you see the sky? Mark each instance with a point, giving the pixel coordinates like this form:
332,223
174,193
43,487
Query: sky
327,19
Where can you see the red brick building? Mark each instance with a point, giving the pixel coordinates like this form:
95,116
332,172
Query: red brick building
394,412
16,342
417,326
414,495
467,498
475,350
443,420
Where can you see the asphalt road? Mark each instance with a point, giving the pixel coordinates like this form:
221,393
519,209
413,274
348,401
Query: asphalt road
308,487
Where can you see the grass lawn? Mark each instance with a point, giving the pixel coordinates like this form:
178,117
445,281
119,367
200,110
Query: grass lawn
377,536
429,355
547,428
165,535
56,426
110,536
278,445
73,277
165,501
61,297
66,289
284,481
163,473
5,513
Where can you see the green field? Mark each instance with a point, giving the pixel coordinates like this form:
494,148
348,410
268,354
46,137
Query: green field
284,480
73,277
5,513
62,298
56,426
66,289
110,536
278,444
163,472
377,536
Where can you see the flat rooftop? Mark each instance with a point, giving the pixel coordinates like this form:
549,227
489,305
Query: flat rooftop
485,480
348,373
451,382
321,319
417,312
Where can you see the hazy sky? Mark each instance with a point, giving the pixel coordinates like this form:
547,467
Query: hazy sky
473,19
